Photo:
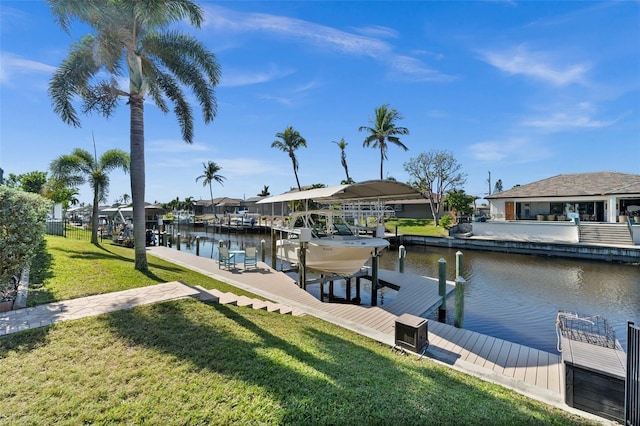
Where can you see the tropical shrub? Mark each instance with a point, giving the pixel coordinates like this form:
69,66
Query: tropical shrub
22,224
446,221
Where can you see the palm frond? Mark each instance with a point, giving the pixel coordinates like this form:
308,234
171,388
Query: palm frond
72,78
190,62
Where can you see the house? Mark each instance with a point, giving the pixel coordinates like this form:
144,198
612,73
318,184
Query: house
572,208
595,197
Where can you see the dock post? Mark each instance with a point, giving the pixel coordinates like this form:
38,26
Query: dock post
348,295
221,243
374,279
302,266
459,263
442,289
458,320
198,246
178,241
262,254
402,252
273,248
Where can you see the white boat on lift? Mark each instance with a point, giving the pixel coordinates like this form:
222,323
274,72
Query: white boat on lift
332,246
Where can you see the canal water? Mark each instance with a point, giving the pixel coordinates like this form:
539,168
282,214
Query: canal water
509,296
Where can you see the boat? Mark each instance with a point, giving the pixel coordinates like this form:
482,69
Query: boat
333,247
342,238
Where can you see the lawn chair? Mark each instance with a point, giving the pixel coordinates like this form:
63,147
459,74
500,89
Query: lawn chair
251,257
225,259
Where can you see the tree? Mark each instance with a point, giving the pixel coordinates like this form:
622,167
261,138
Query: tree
384,130
28,182
264,192
22,222
343,159
58,191
498,187
81,167
209,175
459,202
434,173
132,40
291,141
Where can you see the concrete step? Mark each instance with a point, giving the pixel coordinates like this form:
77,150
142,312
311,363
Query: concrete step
605,234
217,296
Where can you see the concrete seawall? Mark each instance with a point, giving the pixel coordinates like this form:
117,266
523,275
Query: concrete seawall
609,253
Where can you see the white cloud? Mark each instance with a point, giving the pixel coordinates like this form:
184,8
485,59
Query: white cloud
416,69
234,78
515,150
579,117
377,31
564,121
174,146
11,65
539,65
222,19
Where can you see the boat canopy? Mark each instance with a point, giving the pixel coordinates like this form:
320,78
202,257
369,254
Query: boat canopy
368,190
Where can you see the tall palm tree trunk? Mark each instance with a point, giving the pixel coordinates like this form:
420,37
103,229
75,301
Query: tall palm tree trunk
95,217
138,179
381,162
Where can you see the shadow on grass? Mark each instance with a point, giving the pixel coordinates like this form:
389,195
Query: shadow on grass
315,376
40,271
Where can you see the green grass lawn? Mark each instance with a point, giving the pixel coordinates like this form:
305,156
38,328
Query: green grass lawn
425,227
189,362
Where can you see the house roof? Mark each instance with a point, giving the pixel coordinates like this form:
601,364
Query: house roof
576,185
369,190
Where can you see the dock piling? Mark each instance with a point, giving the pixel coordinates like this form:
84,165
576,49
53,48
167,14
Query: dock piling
458,320
262,254
197,245
178,241
459,263
442,289
402,252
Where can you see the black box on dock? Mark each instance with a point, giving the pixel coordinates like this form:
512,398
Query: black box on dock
411,332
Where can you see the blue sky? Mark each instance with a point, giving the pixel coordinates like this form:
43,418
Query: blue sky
524,90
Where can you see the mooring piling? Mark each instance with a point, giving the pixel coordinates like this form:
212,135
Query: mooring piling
442,289
402,252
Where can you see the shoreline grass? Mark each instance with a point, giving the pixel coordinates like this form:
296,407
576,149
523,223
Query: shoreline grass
189,362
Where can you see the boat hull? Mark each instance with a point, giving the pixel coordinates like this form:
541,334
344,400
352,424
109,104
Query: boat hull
340,257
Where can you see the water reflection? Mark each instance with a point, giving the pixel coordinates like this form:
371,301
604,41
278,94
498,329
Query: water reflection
509,296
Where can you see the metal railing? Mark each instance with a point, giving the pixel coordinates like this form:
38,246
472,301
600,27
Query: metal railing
67,229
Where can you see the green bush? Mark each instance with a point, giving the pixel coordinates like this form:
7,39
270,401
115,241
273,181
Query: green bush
446,221
22,223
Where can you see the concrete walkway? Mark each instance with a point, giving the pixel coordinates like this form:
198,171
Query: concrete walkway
51,313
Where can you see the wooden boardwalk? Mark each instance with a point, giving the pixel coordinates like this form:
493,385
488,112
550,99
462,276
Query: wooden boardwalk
530,371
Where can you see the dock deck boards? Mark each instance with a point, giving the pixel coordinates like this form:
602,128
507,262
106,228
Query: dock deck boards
417,295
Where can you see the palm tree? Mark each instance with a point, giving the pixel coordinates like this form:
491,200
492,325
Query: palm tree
264,192
291,140
131,40
210,174
384,130
81,167
343,158
125,199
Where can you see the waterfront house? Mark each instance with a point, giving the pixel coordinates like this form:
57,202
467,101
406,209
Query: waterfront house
596,197
567,208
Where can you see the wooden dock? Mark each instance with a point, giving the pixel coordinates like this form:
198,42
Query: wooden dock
530,371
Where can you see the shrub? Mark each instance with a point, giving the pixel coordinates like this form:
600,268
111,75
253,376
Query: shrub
22,224
446,221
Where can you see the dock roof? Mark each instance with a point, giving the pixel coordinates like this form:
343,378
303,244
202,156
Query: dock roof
368,190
